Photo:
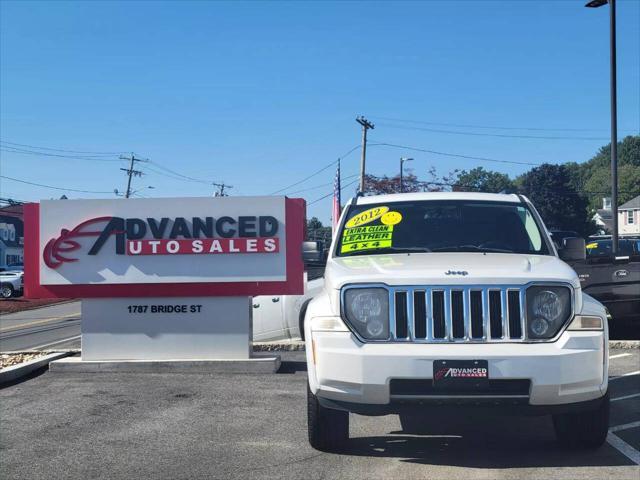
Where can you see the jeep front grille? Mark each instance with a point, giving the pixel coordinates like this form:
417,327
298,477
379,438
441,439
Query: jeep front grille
457,314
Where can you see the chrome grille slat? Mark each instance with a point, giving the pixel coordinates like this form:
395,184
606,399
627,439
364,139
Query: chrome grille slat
504,313
412,318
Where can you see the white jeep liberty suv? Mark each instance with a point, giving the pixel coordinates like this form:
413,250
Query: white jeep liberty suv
453,299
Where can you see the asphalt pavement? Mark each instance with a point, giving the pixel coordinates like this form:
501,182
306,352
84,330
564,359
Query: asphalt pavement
191,426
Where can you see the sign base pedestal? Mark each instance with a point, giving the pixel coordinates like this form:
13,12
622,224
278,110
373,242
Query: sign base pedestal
170,335
166,328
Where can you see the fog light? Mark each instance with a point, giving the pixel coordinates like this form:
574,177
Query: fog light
375,328
539,326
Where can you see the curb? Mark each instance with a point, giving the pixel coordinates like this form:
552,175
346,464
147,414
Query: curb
16,372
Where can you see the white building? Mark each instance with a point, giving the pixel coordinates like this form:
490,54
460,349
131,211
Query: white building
629,217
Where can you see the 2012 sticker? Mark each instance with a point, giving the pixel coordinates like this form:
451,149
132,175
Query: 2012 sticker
367,216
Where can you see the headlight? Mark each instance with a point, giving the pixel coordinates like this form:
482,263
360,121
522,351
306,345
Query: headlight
548,309
367,311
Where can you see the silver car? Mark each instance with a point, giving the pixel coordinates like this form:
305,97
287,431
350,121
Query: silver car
11,283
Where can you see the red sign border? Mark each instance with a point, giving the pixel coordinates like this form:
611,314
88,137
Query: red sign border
293,285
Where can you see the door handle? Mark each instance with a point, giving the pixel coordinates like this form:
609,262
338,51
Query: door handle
275,299
256,305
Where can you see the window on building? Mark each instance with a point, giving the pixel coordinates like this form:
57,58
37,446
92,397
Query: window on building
630,217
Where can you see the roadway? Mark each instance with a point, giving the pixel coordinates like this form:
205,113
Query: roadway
53,327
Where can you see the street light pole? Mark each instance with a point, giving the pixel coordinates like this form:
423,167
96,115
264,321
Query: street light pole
614,117
402,160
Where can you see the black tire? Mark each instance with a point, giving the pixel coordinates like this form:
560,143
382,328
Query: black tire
412,423
303,313
328,429
6,290
584,429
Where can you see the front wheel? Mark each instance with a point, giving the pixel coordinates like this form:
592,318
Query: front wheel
583,429
328,429
414,423
6,291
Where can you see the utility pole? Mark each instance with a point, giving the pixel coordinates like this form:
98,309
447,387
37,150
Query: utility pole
221,187
131,172
366,125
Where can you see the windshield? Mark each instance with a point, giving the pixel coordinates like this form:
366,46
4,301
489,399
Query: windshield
440,226
602,248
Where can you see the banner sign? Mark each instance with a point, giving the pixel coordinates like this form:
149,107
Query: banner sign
181,246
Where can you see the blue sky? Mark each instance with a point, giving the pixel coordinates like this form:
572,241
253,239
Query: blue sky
263,94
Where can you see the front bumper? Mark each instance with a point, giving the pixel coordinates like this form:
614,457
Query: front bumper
345,371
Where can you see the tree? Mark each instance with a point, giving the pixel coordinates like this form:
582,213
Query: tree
316,231
599,185
382,185
480,180
410,183
593,177
550,189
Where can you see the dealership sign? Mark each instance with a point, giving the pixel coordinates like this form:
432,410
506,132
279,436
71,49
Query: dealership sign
168,246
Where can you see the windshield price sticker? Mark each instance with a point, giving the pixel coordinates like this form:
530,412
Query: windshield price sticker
367,216
371,245
373,232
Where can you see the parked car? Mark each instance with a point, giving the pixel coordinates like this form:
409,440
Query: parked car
11,283
615,282
281,317
313,252
457,299
558,236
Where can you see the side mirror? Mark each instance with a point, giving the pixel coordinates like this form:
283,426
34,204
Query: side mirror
573,249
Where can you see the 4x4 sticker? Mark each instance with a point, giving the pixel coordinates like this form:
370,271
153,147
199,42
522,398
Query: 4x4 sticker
367,216
366,238
370,245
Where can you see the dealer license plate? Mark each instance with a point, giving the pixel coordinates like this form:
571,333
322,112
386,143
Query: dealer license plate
461,374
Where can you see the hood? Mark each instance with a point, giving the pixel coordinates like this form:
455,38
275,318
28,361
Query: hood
458,268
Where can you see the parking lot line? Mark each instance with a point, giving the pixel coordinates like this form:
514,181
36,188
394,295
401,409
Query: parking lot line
625,426
620,355
57,341
637,372
625,397
624,448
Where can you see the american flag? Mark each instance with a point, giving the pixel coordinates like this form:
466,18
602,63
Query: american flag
335,215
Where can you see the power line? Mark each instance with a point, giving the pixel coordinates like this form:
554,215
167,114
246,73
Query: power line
319,171
320,186
46,154
59,149
490,127
455,155
329,194
499,135
185,177
50,186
